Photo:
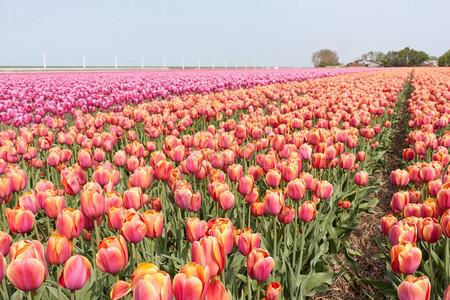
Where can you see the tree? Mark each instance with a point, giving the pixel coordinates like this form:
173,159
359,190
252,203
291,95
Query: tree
444,60
373,56
325,58
404,58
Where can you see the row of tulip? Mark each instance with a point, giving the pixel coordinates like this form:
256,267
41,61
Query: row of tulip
419,226
196,197
27,98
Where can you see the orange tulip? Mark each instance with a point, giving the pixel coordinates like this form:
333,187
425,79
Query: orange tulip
154,222
259,264
399,177
2,267
405,258
429,230
414,288
447,293
192,282
387,222
307,211
20,220
70,223
92,200
361,178
235,172
273,202
402,232
85,158
27,270
5,243
247,241
132,198
222,229
226,200
75,273
246,184
154,286
112,254
217,291
273,290
59,249
53,205
286,215
133,228
296,189
209,252
273,178
195,229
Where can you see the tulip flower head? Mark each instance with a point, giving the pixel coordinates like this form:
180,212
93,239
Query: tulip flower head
414,288
76,273
259,264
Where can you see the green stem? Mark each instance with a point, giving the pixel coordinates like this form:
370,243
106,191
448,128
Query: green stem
249,217
133,256
294,249
97,233
249,288
34,295
430,262
285,238
72,295
5,289
94,256
424,192
447,261
179,232
275,241
302,245
36,232
49,227
59,286
257,290
243,213
3,218
152,251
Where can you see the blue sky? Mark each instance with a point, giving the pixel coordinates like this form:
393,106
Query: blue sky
286,32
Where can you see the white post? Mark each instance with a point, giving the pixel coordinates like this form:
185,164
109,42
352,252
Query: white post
213,64
254,64
183,64
199,64
115,61
236,65
246,64
142,62
84,61
225,63
44,57
164,63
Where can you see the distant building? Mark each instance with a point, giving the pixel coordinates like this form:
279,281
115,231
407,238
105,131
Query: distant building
365,63
432,62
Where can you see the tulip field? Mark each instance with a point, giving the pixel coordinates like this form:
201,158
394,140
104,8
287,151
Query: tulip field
220,184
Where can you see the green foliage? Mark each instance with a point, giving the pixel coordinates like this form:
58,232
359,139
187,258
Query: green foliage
444,60
325,58
404,58
373,56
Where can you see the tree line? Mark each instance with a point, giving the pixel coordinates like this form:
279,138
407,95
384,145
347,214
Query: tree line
406,57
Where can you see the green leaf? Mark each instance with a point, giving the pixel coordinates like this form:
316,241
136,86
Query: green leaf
315,282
